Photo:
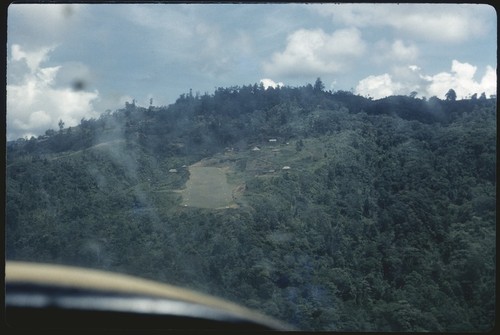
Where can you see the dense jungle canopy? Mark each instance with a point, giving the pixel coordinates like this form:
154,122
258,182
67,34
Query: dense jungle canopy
347,213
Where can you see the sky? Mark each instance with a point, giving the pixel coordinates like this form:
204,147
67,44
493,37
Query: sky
73,61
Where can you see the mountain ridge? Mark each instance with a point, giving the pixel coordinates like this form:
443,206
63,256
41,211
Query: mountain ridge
384,219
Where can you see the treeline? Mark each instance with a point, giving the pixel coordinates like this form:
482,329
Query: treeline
387,225
205,124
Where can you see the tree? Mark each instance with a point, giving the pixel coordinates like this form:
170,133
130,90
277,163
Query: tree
451,95
61,125
318,85
413,94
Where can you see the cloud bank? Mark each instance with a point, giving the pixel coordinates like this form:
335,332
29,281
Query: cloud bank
144,51
34,101
461,78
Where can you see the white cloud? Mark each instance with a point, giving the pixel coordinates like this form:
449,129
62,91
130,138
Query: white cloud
32,59
270,83
439,22
401,80
34,104
378,86
461,79
314,52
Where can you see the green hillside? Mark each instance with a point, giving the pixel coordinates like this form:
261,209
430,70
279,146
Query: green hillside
334,211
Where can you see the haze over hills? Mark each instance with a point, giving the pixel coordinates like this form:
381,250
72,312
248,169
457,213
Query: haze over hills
327,210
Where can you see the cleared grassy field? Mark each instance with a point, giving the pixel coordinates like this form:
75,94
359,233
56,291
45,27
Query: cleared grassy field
207,187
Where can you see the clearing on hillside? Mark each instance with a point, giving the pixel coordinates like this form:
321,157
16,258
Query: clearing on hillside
207,187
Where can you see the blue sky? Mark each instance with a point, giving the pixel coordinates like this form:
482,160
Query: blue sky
120,52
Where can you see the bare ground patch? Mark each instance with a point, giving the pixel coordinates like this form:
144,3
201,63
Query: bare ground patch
207,187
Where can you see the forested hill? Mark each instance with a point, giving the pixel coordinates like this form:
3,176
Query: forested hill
239,116
347,213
